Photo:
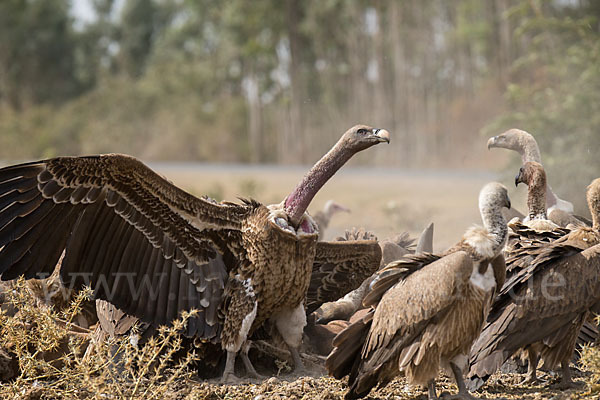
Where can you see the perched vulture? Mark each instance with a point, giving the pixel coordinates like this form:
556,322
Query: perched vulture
427,309
392,249
153,250
524,143
323,217
544,302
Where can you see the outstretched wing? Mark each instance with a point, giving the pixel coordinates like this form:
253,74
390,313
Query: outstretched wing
140,242
341,267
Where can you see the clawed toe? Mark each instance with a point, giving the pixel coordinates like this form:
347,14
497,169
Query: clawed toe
230,379
256,375
529,381
458,396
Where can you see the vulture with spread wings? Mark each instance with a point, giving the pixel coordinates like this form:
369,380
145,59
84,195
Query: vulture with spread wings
154,250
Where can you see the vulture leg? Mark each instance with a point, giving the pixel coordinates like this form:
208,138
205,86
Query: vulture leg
228,374
533,359
247,363
239,320
463,393
567,381
290,324
431,393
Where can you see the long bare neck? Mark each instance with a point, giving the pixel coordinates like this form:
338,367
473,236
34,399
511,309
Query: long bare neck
529,150
494,222
297,202
536,198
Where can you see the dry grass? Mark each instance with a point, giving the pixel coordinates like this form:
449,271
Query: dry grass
53,364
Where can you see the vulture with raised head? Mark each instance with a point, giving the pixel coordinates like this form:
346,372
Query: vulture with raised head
153,250
559,211
427,310
323,217
544,302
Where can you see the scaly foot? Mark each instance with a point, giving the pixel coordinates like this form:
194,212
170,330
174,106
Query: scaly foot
230,379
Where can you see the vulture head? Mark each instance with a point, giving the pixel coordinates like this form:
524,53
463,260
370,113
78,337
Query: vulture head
355,139
531,174
492,197
361,137
331,208
490,240
518,140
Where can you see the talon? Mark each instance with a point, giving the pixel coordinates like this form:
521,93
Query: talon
530,381
230,379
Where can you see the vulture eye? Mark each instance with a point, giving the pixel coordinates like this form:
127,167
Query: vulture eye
363,131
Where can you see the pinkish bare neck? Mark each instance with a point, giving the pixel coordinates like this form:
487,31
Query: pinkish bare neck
297,202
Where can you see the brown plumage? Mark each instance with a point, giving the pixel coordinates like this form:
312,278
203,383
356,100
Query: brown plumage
392,249
428,310
154,250
341,266
544,303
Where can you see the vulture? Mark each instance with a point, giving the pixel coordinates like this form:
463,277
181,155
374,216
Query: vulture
323,217
154,250
427,309
535,226
392,249
544,303
524,143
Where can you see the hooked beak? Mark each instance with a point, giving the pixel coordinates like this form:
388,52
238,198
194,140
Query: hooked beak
517,180
491,142
342,208
382,135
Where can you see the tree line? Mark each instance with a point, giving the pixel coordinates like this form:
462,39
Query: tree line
277,81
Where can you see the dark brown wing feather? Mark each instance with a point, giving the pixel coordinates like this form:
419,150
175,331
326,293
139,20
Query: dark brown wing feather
339,268
143,244
531,317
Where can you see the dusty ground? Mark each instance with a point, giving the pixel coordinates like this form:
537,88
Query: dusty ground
387,201
326,388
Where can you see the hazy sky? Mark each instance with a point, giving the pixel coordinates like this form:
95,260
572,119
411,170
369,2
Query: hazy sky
83,11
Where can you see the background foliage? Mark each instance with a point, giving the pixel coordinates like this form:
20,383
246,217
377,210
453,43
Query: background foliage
277,81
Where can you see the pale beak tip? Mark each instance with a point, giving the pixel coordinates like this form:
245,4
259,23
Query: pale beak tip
383,135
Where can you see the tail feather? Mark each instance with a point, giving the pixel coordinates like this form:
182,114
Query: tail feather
348,345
